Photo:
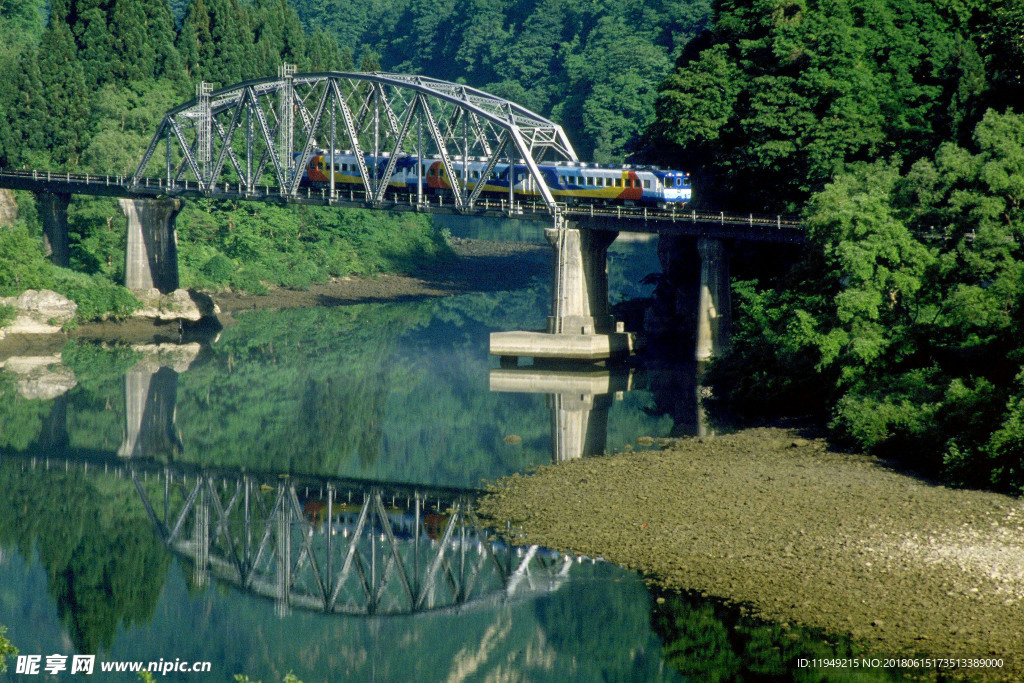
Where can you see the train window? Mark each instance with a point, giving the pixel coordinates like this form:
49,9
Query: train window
647,184
618,182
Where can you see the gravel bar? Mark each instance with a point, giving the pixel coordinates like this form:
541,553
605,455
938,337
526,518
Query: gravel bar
795,532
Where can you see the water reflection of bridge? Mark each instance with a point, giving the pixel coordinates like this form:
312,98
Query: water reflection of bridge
335,546
581,397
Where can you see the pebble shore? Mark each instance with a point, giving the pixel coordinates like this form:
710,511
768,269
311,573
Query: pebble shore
795,532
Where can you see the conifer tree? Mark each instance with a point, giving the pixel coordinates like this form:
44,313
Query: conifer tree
278,36
233,47
133,57
95,43
22,128
195,43
67,98
322,54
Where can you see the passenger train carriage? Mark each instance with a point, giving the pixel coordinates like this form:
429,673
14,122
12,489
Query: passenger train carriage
569,182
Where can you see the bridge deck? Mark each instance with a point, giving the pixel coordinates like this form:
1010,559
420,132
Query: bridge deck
590,216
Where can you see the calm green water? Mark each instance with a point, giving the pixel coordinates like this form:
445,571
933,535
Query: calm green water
296,495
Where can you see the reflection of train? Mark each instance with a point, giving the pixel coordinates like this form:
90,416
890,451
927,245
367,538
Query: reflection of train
405,526
570,182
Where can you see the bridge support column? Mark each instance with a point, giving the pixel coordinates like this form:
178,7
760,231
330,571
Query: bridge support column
151,255
580,326
713,307
580,295
53,210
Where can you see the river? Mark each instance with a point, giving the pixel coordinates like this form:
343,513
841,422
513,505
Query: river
296,494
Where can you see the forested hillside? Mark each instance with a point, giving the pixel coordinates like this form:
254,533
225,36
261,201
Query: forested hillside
593,67
89,81
896,127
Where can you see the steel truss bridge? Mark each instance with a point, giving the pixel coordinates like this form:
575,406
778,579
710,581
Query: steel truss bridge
334,546
253,140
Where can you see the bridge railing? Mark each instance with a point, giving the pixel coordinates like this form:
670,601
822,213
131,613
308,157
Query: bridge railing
124,185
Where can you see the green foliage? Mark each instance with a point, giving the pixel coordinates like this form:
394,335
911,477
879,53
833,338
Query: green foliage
7,649
22,264
7,314
97,297
253,246
97,592
707,641
775,99
593,67
908,307
123,117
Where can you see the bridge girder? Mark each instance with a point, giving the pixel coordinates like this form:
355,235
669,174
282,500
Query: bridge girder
274,125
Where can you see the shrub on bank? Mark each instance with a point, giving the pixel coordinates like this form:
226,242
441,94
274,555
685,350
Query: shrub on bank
251,246
23,266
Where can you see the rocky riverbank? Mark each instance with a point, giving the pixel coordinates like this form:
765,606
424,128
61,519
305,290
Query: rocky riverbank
478,266
797,533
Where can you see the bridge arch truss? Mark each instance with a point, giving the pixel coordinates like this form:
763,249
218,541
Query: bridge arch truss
264,132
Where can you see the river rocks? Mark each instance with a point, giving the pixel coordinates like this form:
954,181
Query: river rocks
181,304
39,312
178,357
41,378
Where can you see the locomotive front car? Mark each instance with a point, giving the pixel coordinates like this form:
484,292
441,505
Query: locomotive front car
673,188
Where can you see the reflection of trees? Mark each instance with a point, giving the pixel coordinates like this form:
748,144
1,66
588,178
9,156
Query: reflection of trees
339,414
20,419
104,568
395,391
580,621
709,641
674,392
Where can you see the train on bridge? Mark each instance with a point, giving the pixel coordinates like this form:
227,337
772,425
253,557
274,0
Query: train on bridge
569,182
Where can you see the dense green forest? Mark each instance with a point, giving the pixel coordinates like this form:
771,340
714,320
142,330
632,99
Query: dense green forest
891,126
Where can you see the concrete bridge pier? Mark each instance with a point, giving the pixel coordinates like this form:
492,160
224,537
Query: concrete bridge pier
150,408
714,304
151,254
580,296
53,210
580,326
